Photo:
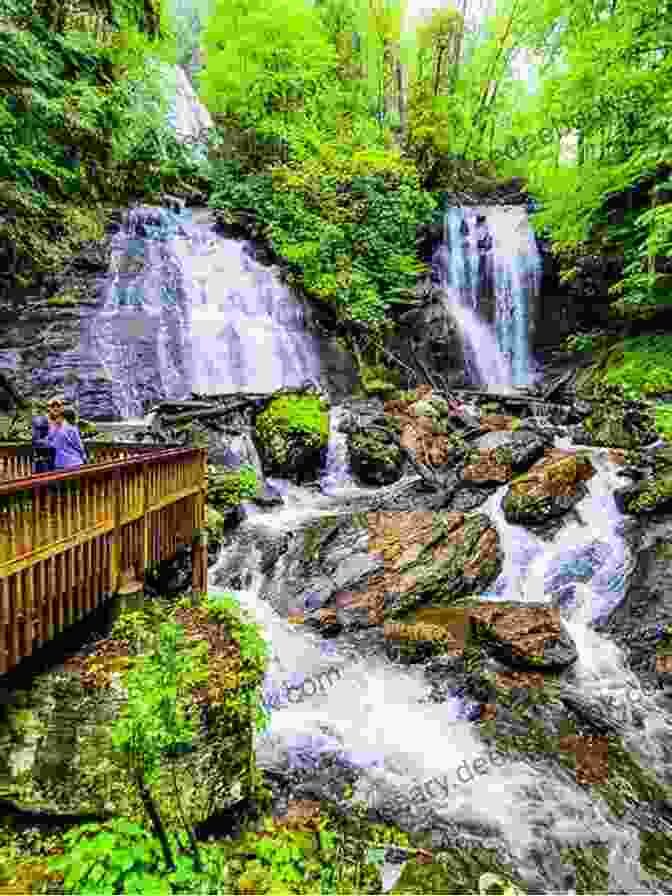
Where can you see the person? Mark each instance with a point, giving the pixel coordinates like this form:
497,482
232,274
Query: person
43,453
64,438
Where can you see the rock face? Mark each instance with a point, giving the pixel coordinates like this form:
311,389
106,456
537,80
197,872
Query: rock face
653,490
551,488
637,624
292,434
57,752
525,637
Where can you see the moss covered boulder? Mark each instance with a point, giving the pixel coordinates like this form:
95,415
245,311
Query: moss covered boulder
375,458
551,487
57,751
292,435
432,557
530,636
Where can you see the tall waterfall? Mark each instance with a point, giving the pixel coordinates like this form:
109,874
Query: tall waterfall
489,267
188,310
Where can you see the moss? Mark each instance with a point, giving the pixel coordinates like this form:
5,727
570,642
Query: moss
655,854
592,867
315,534
67,298
654,495
287,414
455,871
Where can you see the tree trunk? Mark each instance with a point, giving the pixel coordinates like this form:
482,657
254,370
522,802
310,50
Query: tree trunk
155,818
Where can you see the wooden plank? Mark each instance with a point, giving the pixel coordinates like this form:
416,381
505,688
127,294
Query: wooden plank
54,549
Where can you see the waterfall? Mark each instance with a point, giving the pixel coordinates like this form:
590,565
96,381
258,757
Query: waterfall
489,268
187,310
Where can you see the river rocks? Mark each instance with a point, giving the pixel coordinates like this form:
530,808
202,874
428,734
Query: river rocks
551,488
417,643
292,435
530,636
511,452
57,754
495,422
425,426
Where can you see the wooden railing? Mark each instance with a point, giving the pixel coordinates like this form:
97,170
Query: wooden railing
65,538
16,457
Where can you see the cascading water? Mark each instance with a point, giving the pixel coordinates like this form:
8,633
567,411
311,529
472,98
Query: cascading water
490,254
374,719
187,310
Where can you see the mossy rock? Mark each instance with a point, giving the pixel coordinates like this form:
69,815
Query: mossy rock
292,435
374,458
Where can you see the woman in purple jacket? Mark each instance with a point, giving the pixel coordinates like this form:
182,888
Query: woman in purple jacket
64,438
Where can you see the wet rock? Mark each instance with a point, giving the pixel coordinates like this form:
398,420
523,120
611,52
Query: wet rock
487,468
525,636
433,557
417,643
375,458
292,434
551,488
653,490
424,427
58,756
501,454
498,422
638,623
614,423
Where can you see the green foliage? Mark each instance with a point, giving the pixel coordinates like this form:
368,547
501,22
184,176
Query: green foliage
158,717
587,342
663,416
82,121
254,657
121,857
230,488
645,367
345,224
264,60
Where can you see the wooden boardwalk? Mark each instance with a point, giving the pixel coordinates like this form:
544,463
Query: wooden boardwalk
66,538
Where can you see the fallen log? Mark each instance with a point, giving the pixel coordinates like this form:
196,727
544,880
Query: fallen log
517,400
183,406
202,415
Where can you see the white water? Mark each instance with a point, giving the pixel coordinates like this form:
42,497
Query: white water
494,249
372,715
188,310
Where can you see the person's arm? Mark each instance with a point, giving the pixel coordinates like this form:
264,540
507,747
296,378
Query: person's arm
77,442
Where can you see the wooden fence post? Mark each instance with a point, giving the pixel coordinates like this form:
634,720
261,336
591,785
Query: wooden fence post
199,549
115,543
145,531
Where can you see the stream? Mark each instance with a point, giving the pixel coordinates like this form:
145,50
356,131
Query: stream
341,711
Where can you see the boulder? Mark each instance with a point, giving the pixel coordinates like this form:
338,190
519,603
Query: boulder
433,557
524,636
292,435
552,487
57,753
375,458
499,454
